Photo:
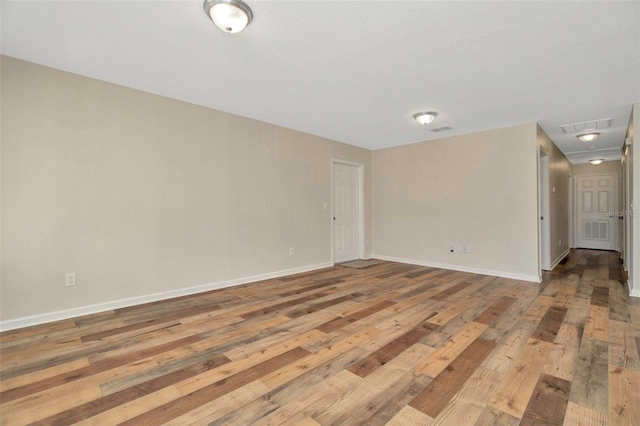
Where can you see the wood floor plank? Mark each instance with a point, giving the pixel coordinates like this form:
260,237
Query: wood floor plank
216,390
567,291
440,391
394,383
509,347
444,294
90,370
493,312
385,405
446,353
548,403
624,350
7,337
564,353
47,403
597,325
463,348
308,421
391,350
495,417
278,306
113,400
326,393
292,390
580,415
343,321
217,408
549,325
504,325
215,375
469,403
147,324
578,312
513,394
410,416
453,310
37,376
624,406
288,373
589,386
600,297
322,305
130,409
618,302
538,309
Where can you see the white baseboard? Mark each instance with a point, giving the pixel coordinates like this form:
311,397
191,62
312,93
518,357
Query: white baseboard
138,300
503,274
559,258
633,292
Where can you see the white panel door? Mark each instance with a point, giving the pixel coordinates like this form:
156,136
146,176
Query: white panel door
596,227
345,212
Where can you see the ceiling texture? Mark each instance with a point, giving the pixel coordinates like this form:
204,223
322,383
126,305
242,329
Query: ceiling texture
357,71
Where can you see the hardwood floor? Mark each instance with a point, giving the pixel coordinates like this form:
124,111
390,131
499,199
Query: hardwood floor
390,344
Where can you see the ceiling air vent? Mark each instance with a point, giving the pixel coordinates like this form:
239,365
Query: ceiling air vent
441,129
584,126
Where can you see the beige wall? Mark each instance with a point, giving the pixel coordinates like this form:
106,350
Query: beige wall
477,190
559,174
588,169
140,194
146,197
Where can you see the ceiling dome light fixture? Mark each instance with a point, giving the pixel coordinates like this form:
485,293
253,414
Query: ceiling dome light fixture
588,137
231,16
425,118
596,162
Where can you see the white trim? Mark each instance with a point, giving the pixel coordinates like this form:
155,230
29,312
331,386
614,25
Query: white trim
559,258
633,292
361,227
138,300
571,210
544,206
503,274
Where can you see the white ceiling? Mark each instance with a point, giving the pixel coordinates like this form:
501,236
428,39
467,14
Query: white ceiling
356,71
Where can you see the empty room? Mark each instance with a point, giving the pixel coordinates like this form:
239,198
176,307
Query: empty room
257,212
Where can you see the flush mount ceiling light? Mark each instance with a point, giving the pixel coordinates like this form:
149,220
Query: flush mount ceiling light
231,16
588,137
425,118
596,162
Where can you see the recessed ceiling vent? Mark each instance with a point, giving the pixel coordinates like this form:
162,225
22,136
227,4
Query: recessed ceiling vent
585,126
441,129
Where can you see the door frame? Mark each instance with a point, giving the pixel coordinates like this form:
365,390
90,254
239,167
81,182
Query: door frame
627,207
571,205
360,199
544,209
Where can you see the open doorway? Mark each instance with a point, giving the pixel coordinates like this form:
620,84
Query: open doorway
544,228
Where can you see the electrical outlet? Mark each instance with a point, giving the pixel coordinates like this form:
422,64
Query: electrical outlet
291,251
69,279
